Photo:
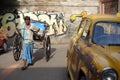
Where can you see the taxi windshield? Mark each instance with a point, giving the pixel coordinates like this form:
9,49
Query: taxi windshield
106,33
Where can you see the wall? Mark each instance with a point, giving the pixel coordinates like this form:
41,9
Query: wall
55,12
119,5
67,6
11,19
109,6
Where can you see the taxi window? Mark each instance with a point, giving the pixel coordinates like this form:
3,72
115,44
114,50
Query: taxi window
81,27
86,28
106,33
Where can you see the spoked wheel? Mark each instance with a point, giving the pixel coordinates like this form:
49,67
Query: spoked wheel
17,46
47,48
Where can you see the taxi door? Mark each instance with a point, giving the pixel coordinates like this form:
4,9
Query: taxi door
78,47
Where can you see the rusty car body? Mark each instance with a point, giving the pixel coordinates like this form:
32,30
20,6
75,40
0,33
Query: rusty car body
94,49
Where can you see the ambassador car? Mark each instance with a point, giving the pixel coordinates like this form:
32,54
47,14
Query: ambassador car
94,49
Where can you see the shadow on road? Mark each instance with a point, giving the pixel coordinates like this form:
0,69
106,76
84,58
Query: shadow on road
39,54
55,69
2,52
43,73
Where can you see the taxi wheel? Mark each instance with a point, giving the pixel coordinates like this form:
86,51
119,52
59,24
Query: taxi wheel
68,74
82,78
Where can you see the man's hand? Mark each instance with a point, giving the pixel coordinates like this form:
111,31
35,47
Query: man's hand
35,32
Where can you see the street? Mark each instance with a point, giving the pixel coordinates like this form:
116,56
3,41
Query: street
54,69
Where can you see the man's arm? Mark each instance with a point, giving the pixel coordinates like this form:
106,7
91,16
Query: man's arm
35,29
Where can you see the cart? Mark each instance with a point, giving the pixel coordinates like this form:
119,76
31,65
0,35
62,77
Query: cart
17,42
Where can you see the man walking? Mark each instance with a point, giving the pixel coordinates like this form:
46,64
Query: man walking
27,41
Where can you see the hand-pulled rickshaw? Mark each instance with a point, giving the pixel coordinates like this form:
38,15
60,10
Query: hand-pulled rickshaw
41,36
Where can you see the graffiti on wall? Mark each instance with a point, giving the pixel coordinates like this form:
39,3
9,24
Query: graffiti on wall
11,20
7,21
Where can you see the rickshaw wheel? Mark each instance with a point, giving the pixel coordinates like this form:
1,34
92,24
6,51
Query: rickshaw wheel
47,48
17,46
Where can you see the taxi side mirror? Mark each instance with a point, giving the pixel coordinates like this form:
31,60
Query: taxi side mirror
73,16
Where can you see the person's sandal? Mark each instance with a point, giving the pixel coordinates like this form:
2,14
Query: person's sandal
24,68
30,64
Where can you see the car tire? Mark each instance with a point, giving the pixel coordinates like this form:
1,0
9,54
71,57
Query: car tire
68,74
82,78
5,46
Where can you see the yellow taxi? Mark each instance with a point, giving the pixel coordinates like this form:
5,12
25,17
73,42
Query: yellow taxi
94,49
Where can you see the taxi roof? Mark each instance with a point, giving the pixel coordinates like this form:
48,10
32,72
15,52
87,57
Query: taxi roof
103,17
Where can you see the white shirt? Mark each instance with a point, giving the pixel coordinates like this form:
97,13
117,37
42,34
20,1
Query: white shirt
28,34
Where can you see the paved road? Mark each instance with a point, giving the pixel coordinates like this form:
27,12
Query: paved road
55,69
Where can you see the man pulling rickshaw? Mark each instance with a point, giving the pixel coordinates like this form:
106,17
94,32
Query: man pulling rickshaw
26,40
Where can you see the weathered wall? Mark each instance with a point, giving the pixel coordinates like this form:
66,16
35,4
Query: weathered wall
11,19
119,5
68,7
50,11
109,6
55,12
